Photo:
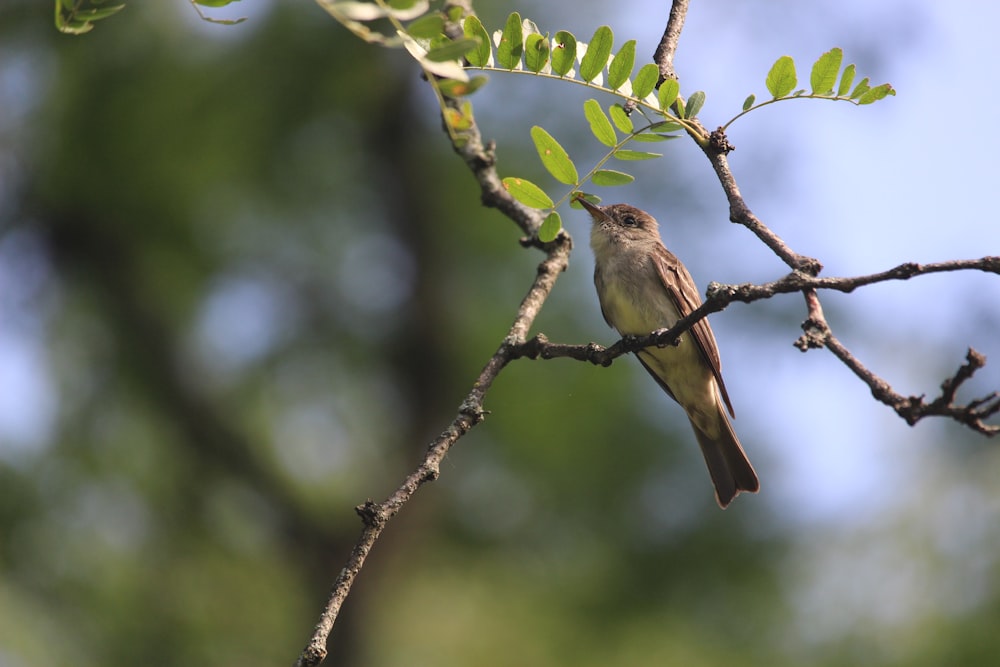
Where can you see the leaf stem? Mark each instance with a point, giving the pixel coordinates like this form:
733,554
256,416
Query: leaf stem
803,96
688,126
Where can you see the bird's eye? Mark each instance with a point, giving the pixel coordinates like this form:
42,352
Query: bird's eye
630,221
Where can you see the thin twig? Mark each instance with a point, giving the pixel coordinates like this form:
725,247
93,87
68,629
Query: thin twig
719,296
911,408
470,413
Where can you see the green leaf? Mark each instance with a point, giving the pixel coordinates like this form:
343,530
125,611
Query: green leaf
695,103
554,157
877,93
527,193
620,68
536,52
611,177
665,126
667,95
846,80
511,43
454,88
636,155
458,119
860,89
452,50
748,102
214,3
825,70
224,21
598,52
645,81
550,227
426,27
71,21
781,79
650,137
480,56
599,123
97,14
621,119
563,53
679,103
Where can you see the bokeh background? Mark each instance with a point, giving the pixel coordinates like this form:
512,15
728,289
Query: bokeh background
244,281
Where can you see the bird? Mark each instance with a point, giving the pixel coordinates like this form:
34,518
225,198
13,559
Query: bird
642,287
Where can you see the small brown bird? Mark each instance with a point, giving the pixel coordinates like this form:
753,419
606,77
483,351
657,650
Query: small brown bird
643,287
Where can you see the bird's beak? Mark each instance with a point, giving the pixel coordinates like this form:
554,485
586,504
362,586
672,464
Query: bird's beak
596,212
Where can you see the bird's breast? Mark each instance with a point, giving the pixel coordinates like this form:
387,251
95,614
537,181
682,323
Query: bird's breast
633,297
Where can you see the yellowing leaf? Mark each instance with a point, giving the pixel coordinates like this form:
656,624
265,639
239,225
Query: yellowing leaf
554,157
527,193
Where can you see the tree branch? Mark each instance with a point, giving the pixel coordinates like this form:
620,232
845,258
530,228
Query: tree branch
716,146
716,149
470,413
817,334
911,408
481,160
664,54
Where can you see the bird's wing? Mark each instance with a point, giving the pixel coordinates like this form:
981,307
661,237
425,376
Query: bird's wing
681,288
599,284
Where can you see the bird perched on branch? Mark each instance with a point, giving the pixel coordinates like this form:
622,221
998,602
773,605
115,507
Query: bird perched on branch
643,288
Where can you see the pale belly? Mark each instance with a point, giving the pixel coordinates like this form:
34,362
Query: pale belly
681,367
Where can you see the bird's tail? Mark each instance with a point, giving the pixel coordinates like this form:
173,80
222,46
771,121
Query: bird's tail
727,462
